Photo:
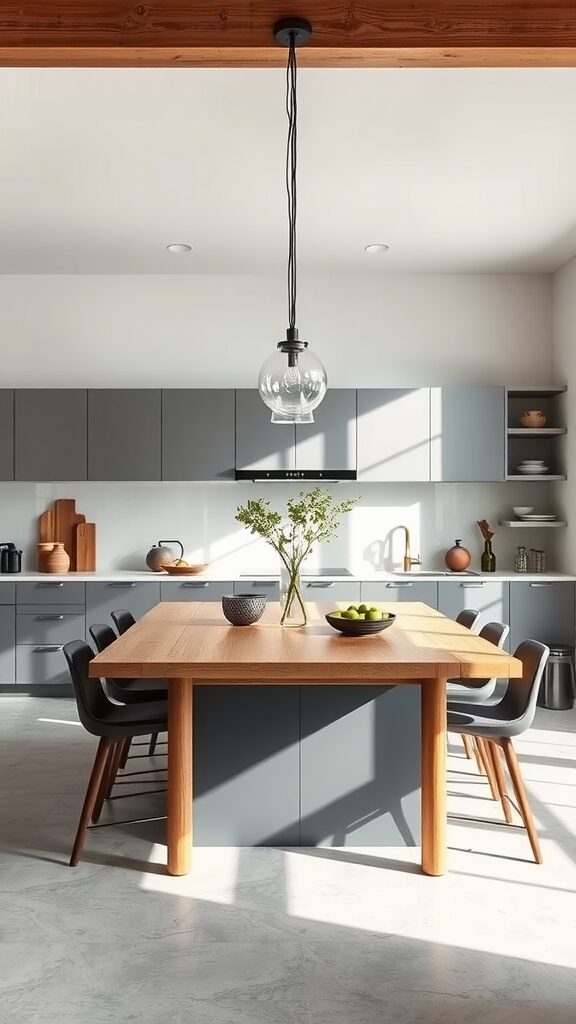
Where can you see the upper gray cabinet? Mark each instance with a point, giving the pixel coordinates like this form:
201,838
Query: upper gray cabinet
198,434
467,433
124,435
6,435
330,442
50,434
394,434
261,444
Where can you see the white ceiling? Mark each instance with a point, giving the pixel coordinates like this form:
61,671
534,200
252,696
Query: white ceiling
459,170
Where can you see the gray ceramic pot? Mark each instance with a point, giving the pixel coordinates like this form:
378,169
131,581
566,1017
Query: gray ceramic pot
243,609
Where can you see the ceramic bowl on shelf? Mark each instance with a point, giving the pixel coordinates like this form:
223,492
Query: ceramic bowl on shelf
533,418
533,470
522,510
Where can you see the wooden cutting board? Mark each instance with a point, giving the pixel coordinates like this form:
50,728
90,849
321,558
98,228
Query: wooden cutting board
85,547
60,523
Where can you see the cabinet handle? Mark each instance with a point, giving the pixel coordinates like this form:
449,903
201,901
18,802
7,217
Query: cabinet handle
194,586
321,586
123,584
55,584
48,648
390,585
264,583
471,586
540,584
49,618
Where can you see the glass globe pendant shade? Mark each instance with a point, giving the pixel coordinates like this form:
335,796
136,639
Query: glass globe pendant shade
292,384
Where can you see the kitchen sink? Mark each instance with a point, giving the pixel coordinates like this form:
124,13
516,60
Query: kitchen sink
439,572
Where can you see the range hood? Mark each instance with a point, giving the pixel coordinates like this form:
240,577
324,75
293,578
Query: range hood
326,475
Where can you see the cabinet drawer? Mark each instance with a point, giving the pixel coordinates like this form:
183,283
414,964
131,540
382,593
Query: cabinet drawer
7,644
51,627
329,591
542,610
490,598
7,593
50,592
195,590
402,590
104,598
269,587
41,664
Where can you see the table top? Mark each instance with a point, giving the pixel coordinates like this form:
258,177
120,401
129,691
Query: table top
193,640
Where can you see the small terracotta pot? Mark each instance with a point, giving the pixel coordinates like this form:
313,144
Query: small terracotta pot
533,418
457,558
57,559
43,548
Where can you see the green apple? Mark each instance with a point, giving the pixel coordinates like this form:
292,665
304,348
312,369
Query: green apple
373,615
350,614
363,608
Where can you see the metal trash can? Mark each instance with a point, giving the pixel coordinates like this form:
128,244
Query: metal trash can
558,687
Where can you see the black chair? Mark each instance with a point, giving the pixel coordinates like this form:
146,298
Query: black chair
494,727
123,620
468,617
113,723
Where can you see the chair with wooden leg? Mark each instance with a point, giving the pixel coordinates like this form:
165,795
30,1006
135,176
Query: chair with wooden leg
124,620
112,723
496,725
478,690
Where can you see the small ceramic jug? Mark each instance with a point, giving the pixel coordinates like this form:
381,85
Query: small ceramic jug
457,558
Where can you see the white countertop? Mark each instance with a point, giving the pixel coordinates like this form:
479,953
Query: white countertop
216,575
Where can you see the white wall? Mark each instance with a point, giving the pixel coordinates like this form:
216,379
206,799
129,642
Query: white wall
115,330
564,369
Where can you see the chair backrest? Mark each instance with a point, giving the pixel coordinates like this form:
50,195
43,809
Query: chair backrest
468,617
91,700
494,632
102,636
123,620
519,701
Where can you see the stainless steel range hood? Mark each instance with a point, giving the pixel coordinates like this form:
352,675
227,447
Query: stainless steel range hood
271,475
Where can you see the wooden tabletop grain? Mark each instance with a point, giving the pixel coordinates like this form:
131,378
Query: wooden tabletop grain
193,640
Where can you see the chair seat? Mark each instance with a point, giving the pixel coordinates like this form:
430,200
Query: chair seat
135,691
470,693
490,722
126,720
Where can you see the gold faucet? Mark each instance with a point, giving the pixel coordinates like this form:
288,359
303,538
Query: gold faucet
408,560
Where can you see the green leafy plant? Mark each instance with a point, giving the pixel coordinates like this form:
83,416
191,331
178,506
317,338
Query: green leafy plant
310,518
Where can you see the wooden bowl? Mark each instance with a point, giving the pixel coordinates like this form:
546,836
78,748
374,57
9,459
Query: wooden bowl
184,570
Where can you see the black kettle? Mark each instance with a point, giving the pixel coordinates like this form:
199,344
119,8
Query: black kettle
10,558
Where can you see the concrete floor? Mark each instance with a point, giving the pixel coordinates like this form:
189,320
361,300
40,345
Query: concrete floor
279,936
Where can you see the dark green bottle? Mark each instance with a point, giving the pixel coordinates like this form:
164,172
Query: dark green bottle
488,559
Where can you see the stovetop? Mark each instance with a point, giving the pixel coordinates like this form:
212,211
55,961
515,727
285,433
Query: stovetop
305,572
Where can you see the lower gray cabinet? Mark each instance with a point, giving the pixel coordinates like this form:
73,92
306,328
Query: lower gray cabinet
49,627
7,644
104,598
194,590
51,592
403,590
541,611
360,766
330,592
269,587
246,765
490,597
41,665
124,434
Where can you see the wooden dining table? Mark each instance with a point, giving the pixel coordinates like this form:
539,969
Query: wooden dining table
191,643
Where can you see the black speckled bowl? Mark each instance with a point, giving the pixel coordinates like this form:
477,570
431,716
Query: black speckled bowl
359,627
243,609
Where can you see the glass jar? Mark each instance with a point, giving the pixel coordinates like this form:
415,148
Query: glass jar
521,560
538,560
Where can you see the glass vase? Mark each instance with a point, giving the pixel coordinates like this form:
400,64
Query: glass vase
488,559
291,602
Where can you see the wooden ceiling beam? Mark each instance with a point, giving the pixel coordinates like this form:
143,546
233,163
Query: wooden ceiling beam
373,33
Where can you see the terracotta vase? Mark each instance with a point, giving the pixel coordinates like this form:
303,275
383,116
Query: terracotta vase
43,549
457,558
57,559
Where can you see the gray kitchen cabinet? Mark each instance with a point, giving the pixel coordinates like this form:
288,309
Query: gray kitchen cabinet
360,766
6,435
52,592
198,434
490,597
7,644
50,434
104,598
194,590
246,765
7,593
270,587
331,591
541,610
394,434
42,665
330,442
402,590
467,426
261,444
50,626
124,434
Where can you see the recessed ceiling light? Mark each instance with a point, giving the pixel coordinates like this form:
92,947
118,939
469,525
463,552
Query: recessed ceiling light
179,247
376,247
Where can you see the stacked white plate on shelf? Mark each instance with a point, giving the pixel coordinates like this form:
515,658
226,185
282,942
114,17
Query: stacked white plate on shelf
533,467
527,515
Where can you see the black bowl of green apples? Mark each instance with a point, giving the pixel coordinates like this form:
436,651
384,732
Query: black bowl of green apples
360,620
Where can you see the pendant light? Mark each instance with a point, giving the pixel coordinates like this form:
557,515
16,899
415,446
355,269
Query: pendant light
292,382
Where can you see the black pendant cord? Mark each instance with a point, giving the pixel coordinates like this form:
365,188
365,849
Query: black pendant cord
291,168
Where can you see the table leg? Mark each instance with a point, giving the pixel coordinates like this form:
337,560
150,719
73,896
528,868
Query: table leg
180,698
433,769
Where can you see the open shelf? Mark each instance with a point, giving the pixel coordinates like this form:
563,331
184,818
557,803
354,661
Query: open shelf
542,391
536,431
518,524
